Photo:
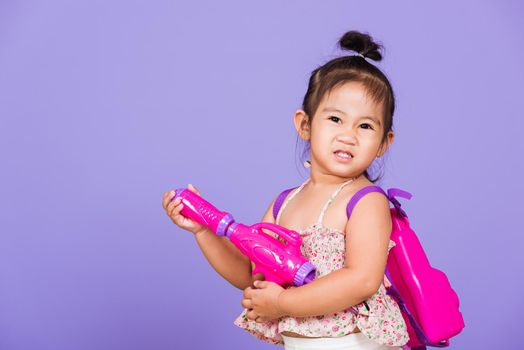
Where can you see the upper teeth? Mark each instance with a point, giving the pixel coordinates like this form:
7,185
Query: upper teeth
344,154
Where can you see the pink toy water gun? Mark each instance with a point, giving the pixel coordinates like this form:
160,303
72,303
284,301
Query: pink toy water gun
279,262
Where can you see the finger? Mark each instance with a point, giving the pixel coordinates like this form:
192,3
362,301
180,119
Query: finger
166,198
175,210
247,303
193,189
171,206
175,205
260,319
171,195
247,293
170,198
251,315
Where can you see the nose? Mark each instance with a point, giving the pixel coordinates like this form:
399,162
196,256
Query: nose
347,138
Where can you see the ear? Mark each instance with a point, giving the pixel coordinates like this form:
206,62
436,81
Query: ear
301,124
387,142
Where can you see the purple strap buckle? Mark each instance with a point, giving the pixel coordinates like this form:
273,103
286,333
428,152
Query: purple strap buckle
392,193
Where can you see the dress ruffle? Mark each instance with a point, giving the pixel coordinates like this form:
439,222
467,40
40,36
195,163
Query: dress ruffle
383,322
372,322
267,331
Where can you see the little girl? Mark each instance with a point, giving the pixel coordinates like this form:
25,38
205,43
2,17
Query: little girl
346,118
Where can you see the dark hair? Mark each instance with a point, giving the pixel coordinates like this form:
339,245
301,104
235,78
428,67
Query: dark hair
353,68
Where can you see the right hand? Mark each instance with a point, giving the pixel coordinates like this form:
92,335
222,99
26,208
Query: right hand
173,211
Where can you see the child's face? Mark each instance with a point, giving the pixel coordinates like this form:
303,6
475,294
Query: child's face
340,123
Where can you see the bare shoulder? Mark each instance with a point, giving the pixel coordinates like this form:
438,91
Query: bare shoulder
374,195
371,202
371,206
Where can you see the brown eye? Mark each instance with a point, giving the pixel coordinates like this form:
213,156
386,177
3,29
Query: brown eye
337,118
369,126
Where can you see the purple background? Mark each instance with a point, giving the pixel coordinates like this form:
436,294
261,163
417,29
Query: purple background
106,105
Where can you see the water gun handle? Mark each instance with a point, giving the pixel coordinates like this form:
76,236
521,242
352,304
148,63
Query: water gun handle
279,262
292,237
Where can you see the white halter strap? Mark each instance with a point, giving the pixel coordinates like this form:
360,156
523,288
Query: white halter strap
322,213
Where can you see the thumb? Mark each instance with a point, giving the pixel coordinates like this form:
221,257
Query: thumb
193,189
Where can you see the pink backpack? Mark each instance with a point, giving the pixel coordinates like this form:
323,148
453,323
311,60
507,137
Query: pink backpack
429,306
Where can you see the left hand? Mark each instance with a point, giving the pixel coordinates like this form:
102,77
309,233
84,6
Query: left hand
262,302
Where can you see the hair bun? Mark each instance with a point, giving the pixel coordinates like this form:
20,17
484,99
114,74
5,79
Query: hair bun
361,43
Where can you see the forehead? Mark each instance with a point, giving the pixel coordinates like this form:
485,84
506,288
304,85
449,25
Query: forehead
353,99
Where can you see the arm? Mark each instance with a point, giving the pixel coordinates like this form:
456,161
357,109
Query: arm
225,257
367,240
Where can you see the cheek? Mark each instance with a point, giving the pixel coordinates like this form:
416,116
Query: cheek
320,143
371,146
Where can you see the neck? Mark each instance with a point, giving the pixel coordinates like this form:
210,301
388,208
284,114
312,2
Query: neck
320,180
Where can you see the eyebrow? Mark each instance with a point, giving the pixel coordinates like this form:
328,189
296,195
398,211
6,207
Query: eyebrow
331,109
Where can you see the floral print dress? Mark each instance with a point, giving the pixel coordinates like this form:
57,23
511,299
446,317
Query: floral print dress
378,317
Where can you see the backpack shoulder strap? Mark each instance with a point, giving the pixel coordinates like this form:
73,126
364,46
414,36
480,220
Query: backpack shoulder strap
361,193
390,195
280,201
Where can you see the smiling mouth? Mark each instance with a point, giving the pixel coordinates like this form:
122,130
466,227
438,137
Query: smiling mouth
344,156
